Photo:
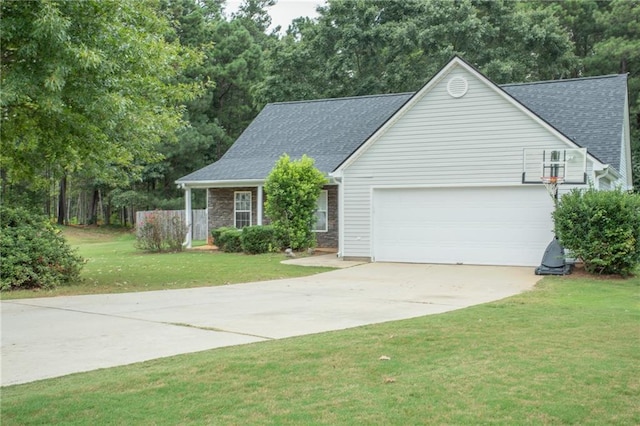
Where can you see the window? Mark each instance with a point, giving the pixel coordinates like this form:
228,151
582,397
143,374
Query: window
242,209
321,224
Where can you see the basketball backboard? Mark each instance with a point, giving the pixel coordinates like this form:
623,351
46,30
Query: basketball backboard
568,165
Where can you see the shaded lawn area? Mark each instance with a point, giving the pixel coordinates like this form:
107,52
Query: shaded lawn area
567,352
115,266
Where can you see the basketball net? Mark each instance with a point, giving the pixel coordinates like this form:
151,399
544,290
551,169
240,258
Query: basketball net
551,183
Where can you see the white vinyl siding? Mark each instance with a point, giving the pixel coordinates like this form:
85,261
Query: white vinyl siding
242,209
604,184
477,139
322,213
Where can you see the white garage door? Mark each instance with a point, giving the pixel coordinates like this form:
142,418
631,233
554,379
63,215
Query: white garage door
475,225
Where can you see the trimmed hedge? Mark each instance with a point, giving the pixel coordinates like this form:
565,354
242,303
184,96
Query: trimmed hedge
215,233
602,228
251,239
33,253
259,239
228,240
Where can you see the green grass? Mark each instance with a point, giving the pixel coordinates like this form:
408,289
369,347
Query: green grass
567,352
115,266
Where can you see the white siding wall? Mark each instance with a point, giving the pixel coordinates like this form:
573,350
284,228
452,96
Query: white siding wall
624,170
476,139
623,160
605,184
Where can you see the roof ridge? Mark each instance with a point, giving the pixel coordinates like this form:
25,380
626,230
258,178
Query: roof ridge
342,99
595,77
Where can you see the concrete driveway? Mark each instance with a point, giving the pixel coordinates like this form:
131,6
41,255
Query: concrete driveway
50,337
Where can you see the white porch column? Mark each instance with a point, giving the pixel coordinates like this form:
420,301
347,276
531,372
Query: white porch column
206,218
259,209
188,215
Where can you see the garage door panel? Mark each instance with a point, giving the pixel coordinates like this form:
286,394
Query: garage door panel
492,225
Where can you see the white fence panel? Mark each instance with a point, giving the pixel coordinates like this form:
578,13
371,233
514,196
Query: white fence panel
199,220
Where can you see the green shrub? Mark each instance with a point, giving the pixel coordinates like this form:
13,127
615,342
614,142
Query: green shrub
230,240
259,239
161,231
292,189
33,253
215,233
602,228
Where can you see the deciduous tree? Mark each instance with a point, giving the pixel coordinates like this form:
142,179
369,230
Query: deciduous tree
87,84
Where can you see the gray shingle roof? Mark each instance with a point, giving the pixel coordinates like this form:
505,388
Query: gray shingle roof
589,111
326,130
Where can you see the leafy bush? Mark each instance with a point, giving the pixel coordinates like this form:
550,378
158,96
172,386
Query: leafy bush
33,253
161,231
292,189
259,239
216,234
229,240
602,228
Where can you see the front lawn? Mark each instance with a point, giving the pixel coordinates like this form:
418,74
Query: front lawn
115,266
567,352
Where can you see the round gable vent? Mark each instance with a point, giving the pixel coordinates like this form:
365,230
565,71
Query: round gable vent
457,87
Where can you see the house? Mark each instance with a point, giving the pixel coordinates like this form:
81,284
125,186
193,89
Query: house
450,174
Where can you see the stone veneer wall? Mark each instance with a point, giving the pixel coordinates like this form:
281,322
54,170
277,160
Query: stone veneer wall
329,239
221,212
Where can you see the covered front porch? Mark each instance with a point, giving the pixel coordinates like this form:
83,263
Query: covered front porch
241,204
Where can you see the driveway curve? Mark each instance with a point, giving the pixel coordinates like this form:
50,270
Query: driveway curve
51,337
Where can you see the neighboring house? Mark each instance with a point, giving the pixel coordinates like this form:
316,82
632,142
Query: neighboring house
449,174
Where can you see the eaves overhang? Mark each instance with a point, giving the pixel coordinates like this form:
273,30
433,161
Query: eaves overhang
204,184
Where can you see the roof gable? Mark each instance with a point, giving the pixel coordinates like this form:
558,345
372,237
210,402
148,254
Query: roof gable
433,82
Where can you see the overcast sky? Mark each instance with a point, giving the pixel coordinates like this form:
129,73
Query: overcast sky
285,11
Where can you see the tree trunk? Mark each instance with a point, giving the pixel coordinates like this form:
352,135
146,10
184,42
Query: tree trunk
107,213
62,200
93,209
623,66
80,211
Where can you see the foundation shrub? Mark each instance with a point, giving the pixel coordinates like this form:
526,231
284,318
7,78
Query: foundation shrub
229,240
259,239
602,228
215,233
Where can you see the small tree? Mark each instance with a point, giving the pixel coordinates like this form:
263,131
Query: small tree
292,190
602,228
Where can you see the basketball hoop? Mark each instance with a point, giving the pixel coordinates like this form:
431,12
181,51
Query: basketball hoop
551,183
